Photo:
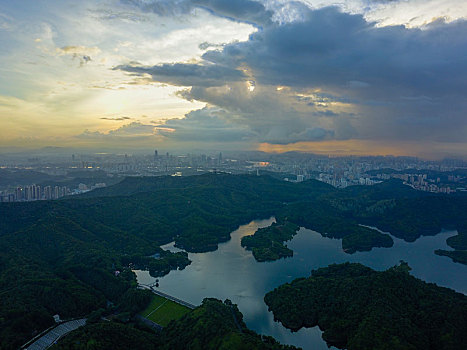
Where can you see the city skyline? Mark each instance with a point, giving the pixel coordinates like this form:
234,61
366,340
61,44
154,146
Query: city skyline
359,77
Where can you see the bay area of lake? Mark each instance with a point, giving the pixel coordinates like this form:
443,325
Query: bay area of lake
232,273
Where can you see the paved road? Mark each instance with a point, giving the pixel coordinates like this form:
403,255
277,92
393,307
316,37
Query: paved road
167,296
49,338
56,333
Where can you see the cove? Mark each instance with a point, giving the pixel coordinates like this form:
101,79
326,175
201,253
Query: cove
232,273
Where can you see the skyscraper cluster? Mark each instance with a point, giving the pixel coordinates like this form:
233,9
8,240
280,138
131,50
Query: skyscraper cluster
34,193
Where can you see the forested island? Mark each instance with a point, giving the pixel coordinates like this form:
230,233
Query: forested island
325,219
359,308
459,256
266,243
213,325
74,256
459,243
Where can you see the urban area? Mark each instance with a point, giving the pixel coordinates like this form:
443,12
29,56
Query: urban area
49,175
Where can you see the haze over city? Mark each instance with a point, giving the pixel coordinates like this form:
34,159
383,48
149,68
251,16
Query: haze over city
352,77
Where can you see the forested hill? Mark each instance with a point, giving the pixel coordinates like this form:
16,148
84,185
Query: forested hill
359,308
61,256
262,185
213,325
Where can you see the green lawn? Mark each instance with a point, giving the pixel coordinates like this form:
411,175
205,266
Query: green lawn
162,311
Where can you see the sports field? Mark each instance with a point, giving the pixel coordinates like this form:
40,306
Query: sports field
162,311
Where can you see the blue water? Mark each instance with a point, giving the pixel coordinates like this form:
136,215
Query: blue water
232,273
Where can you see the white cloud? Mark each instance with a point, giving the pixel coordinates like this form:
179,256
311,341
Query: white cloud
410,13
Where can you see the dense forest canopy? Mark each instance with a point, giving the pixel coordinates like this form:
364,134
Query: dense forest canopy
60,257
213,325
359,308
267,243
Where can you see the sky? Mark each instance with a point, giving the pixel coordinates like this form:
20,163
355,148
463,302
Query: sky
364,77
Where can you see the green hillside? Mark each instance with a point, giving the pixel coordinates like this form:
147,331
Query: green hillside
60,257
359,308
213,325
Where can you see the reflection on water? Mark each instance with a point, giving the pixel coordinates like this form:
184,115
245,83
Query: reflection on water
232,273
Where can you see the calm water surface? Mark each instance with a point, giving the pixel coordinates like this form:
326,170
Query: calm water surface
232,273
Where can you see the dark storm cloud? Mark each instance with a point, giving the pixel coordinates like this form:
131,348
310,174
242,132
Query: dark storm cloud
212,124
351,79
343,51
381,70
205,125
315,134
239,10
162,7
269,115
184,74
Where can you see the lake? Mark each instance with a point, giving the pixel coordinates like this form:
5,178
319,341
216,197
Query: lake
232,273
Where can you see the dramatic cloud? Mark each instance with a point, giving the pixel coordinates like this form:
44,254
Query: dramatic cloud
349,78
249,11
280,74
272,116
183,74
206,125
241,10
336,50
162,7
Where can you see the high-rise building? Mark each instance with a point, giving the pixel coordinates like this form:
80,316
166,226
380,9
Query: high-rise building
28,193
19,194
48,192
37,192
63,191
